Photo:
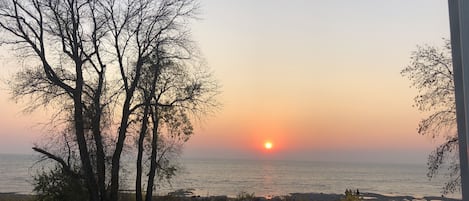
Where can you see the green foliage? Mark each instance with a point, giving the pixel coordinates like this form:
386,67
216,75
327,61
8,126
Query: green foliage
56,185
351,196
243,196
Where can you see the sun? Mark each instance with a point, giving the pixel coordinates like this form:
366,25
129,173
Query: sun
268,145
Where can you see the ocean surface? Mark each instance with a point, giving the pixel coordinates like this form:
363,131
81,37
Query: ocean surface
264,178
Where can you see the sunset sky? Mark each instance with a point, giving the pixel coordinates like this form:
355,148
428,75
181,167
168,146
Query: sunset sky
318,79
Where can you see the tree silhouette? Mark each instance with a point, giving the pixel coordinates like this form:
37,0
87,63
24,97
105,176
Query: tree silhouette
431,72
96,64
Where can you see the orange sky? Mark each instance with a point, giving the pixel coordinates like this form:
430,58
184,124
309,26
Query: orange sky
315,77
320,79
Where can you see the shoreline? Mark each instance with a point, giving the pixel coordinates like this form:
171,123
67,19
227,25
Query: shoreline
11,196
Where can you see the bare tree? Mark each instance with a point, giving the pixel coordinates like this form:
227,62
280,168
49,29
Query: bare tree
431,72
88,60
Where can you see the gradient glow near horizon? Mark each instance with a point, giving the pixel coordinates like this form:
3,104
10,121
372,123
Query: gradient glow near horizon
318,79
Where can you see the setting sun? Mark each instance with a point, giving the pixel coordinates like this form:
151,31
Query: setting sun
268,145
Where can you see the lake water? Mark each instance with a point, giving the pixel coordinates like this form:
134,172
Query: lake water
15,173
264,178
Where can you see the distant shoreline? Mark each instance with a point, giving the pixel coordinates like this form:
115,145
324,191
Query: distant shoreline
293,196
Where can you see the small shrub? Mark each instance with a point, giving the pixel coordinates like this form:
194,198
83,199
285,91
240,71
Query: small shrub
56,185
351,196
243,196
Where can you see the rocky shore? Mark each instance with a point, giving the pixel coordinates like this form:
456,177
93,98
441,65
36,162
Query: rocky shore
291,197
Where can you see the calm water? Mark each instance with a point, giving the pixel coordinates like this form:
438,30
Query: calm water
15,173
267,178
264,178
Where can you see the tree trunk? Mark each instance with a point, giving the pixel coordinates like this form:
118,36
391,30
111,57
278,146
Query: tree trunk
129,93
143,131
153,164
119,147
100,155
117,153
80,134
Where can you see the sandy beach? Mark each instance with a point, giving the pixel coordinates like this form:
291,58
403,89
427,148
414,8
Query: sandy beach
291,197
